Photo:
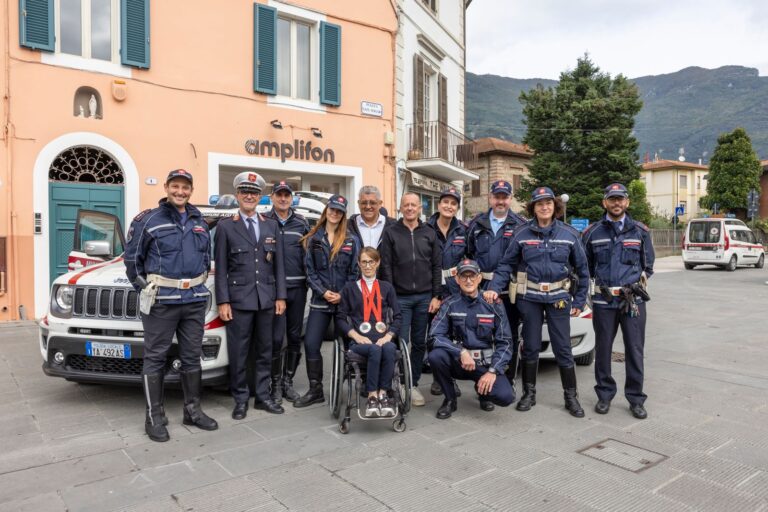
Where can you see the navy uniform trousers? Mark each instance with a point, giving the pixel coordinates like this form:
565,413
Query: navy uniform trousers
249,345
446,366
606,322
163,321
290,322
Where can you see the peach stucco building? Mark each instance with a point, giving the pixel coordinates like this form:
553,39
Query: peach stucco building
105,97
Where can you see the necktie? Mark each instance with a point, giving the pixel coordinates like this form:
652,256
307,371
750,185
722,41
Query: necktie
252,230
617,226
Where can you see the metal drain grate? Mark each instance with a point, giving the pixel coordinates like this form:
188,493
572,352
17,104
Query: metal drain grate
623,455
617,357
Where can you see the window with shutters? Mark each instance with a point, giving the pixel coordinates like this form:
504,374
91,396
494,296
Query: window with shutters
88,28
294,62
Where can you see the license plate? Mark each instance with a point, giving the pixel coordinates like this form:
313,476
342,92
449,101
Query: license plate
116,350
694,248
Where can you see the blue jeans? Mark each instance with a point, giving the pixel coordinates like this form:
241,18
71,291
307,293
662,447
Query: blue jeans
381,364
413,330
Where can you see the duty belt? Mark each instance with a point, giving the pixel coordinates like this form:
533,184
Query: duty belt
448,273
181,284
612,290
549,287
483,355
487,275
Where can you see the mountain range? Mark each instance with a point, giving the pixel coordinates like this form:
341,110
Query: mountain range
687,109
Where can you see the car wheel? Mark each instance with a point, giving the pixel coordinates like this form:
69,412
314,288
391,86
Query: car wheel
689,266
585,359
761,262
731,264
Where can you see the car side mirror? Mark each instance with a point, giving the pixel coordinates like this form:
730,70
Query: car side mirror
98,248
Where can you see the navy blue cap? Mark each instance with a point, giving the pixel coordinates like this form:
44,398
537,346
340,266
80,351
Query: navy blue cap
179,173
338,202
281,185
501,187
451,192
467,265
615,190
540,193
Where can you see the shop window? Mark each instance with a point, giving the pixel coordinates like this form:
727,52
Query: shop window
88,103
86,164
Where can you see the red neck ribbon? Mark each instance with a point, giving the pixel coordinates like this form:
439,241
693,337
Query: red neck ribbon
371,300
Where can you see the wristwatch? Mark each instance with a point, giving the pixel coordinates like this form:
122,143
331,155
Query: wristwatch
492,370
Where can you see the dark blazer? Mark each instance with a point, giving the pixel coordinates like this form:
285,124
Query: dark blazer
249,276
349,314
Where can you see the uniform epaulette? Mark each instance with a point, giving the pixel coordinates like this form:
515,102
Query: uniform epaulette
141,215
589,228
642,226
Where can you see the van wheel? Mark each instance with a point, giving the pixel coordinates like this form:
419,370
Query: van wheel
761,262
731,264
689,266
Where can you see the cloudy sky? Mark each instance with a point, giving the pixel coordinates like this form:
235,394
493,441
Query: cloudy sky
541,38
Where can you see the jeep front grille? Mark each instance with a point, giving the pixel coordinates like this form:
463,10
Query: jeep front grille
105,365
106,302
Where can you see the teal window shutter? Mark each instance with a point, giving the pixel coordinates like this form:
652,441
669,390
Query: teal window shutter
134,33
36,24
330,64
264,49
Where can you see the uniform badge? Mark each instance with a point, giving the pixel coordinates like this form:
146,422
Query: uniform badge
130,234
561,304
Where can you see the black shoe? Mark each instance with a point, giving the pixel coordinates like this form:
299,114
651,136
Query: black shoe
528,400
276,380
240,411
290,363
638,411
315,393
445,410
486,405
602,406
155,421
435,389
270,406
191,384
570,392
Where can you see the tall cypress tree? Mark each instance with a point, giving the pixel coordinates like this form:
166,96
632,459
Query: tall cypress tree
581,135
733,171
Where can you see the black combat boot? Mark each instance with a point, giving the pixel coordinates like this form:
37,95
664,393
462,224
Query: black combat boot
315,393
290,363
153,424
276,389
570,393
530,369
191,384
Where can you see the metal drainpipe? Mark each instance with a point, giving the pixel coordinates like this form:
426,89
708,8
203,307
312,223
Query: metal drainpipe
8,133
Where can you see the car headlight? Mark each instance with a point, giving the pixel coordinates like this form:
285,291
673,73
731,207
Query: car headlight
61,300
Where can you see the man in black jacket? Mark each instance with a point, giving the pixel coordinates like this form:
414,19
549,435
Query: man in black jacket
370,224
250,290
411,260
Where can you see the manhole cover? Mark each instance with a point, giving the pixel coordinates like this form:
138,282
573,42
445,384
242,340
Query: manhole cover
626,456
617,357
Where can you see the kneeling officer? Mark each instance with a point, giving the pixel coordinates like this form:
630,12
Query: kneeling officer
472,341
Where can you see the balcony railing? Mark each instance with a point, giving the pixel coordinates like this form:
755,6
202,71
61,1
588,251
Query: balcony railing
436,140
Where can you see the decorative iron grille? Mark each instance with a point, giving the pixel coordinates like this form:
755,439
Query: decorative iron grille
86,164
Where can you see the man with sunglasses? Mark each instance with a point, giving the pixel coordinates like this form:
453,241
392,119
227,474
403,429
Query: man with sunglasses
369,225
250,290
472,341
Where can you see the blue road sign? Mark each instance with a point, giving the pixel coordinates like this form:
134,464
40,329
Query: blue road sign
580,224
680,210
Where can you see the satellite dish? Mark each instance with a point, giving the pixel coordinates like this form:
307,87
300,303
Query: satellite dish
681,158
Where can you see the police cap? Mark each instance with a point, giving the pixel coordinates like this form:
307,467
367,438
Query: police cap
249,181
179,173
540,193
615,190
467,265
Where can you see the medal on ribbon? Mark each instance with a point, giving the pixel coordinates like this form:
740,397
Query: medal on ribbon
371,305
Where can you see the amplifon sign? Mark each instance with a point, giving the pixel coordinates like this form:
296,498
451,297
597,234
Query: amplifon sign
299,150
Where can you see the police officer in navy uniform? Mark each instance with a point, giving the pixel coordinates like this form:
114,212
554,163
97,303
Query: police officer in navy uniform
542,257
488,237
471,341
620,254
293,227
167,259
250,291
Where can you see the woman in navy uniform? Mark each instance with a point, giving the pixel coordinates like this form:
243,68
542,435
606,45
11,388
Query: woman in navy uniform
331,262
369,315
542,256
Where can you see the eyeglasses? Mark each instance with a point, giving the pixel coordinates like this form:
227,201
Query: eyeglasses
368,263
467,277
368,203
248,193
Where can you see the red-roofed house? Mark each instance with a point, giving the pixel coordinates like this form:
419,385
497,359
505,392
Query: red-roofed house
497,159
671,183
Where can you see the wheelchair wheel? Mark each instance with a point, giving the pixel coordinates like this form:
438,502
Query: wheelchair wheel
406,381
344,427
399,425
337,377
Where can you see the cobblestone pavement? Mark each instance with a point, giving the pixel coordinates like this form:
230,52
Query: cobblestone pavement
65,446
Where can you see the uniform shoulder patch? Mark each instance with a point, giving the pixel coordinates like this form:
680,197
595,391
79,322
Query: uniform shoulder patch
589,228
642,226
572,230
141,215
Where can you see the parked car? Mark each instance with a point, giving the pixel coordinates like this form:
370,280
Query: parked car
582,340
727,243
92,331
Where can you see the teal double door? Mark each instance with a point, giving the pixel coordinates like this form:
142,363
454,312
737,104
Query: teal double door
64,200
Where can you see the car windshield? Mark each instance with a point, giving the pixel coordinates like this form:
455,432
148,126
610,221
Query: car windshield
704,232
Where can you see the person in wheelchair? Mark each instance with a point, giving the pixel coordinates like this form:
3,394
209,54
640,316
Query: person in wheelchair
472,341
370,317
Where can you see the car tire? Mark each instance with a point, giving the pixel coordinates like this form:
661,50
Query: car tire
731,266
585,359
761,262
689,266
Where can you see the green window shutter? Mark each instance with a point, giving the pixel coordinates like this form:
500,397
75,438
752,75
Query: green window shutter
36,24
330,64
264,49
134,33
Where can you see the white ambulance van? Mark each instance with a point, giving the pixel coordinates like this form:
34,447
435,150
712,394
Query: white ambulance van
727,243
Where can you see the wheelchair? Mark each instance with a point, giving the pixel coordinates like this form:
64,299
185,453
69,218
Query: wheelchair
348,385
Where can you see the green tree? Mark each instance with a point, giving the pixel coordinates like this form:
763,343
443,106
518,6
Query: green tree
733,171
639,209
581,134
